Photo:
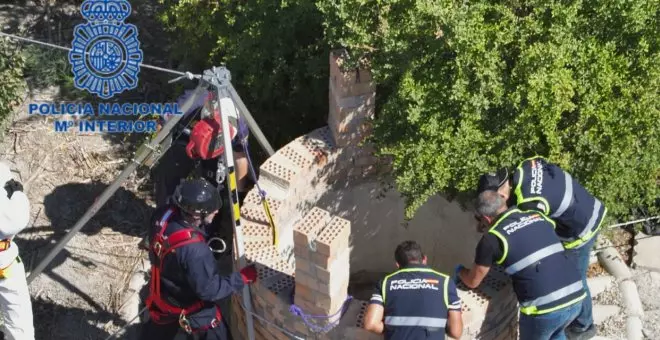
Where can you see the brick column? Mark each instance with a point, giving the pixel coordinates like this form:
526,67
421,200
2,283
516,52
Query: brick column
351,101
352,105
322,263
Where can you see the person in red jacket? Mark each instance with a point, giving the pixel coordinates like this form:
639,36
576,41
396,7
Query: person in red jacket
185,285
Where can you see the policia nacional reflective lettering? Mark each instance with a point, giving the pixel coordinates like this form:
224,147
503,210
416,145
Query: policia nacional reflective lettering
543,276
561,197
396,283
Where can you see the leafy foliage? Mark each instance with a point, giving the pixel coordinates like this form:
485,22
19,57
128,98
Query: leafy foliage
11,73
470,86
274,50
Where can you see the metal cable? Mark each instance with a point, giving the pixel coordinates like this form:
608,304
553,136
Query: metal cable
69,49
633,222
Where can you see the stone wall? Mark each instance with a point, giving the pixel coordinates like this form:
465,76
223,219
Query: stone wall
310,266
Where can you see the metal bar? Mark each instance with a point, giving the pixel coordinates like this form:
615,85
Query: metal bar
254,127
232,191
633,222
140,156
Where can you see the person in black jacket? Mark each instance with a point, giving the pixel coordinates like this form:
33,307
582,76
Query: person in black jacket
185,285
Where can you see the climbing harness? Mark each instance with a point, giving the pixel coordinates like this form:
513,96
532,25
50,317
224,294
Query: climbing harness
185,323
161,311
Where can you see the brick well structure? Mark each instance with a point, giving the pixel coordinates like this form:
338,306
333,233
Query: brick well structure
310,267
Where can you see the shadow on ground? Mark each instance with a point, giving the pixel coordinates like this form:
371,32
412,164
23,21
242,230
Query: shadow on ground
55,322
124,212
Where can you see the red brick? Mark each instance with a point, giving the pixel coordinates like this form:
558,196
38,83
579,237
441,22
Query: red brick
349,82
332,304
336,266
336,284
335,234
304,292
307,306
306,280
301,328
346,113
302,252
310,226
306,266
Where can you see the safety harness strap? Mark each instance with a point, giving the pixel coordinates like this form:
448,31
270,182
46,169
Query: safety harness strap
163,245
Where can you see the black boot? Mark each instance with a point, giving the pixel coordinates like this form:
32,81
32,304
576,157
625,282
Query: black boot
574,334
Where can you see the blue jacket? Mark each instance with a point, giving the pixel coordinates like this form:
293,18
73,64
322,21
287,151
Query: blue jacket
190,273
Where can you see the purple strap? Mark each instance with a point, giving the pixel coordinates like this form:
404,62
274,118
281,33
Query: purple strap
297,311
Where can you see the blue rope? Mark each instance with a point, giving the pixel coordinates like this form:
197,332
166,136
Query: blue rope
244,142
297,311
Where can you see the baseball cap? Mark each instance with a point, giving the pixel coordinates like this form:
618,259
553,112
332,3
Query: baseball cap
492,180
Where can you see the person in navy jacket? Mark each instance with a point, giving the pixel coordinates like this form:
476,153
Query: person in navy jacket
185,284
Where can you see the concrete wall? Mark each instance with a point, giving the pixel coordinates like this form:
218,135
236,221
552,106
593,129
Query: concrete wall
445,231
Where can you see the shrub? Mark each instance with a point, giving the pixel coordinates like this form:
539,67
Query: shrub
274,50
470,86
11,73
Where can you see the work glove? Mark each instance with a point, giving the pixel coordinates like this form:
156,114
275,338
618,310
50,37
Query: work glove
457,279
249,274
11,186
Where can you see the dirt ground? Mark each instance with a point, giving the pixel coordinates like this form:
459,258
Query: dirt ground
79,293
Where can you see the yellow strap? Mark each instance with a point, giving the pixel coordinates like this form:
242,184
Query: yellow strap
588,236
532,310
271,221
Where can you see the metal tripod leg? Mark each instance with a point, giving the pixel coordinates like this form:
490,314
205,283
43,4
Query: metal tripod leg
221,81
140,156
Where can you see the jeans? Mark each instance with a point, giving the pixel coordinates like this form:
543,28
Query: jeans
581,257
549,326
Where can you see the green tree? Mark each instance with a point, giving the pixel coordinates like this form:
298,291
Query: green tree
466,87
11,73
274,50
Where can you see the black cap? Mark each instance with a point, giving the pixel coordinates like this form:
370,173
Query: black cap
492,180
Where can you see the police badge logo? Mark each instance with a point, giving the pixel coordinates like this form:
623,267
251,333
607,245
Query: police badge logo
106,54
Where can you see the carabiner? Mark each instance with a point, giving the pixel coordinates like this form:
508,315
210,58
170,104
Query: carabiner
224,245
184,323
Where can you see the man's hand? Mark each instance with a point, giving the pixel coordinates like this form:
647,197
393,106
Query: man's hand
249,274
11,186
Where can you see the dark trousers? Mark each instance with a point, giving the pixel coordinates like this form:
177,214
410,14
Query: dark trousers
152,331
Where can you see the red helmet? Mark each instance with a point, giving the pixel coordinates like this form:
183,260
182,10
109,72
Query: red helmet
206,138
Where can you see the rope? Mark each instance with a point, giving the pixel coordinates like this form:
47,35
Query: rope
184,74
253,174
264,320
297,311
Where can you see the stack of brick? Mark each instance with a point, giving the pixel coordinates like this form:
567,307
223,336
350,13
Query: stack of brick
352,101
351,112
322,265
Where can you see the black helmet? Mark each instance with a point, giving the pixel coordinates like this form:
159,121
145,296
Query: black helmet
197,196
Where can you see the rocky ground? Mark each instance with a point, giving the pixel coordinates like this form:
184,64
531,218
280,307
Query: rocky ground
609,308
79,293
